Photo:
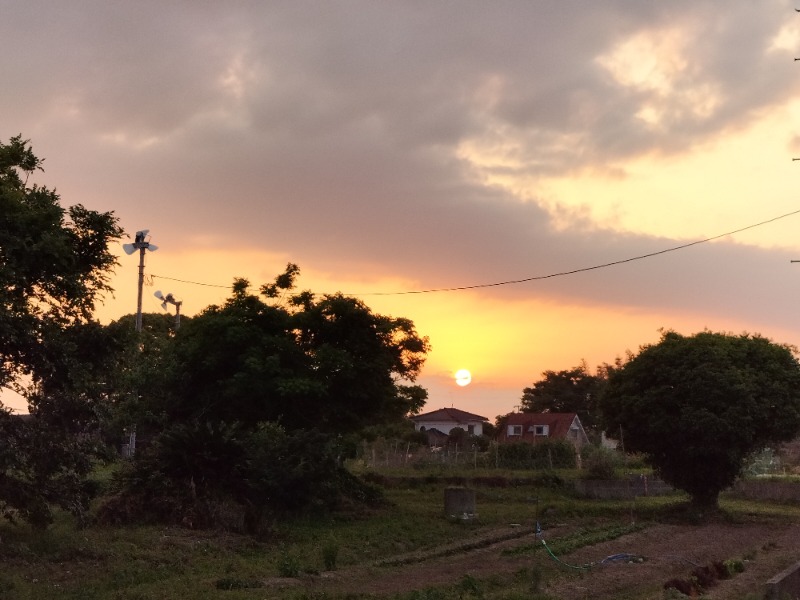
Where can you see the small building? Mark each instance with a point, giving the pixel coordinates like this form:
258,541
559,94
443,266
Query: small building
535,427
446,419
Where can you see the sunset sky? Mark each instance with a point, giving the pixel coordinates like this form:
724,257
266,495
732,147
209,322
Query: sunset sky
411,145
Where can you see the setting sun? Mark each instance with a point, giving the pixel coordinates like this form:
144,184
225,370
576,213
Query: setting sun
463,377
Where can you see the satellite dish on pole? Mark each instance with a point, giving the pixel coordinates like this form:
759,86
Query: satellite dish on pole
141,244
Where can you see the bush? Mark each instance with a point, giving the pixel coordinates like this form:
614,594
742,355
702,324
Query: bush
330,552
599,462
547,454
288,564
202,475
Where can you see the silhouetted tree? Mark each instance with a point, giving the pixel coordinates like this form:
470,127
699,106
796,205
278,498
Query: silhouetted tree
698,406
570,391
301,370
328,363
54,267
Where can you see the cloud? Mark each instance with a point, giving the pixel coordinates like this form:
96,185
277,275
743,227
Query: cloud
403,136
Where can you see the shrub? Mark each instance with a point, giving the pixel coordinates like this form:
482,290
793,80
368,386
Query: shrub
330,552
547,454
288,564
203,475
599,462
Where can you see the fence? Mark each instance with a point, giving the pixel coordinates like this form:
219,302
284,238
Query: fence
549,454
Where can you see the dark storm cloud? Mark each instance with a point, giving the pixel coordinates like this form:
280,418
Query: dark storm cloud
330,131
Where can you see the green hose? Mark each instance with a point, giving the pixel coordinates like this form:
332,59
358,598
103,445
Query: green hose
558,560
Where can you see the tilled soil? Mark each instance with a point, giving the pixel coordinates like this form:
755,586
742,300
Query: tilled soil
667,551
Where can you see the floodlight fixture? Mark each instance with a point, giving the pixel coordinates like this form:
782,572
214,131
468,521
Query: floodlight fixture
141,244
170,299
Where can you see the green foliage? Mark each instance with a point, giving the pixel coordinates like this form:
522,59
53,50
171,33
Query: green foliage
44,467
54,267
571,391
55,264
329,363
763,462
330,553
599,462
580,538
698,406
458,437
288,564
140,364
401,431
258,402
734,566
547,454
223,475
182,564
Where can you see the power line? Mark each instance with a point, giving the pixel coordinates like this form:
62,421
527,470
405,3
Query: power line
537,277
191,282
584,269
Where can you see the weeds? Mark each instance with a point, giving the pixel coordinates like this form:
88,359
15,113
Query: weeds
232,583
579,539
330,552
147,562
288,564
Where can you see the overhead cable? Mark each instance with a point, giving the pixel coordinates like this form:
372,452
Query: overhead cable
539,277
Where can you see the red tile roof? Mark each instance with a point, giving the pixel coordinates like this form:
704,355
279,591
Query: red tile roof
558,423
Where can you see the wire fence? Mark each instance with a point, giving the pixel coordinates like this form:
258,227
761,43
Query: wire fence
400,454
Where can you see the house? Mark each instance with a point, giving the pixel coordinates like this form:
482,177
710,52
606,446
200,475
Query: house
438,423
534,427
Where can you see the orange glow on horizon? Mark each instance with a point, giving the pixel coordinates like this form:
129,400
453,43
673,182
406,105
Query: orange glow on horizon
510,342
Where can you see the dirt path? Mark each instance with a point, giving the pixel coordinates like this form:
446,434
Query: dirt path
670,551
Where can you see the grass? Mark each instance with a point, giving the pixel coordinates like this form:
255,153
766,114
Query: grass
147,563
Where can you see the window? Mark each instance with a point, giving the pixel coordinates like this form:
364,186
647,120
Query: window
515,430
541,430
471,429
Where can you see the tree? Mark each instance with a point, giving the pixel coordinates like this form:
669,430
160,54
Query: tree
328,363
260,395
571,391
140,365
697,406
55,265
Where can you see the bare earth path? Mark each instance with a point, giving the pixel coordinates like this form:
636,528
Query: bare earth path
670,551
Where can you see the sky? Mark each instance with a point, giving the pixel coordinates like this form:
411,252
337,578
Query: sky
415,145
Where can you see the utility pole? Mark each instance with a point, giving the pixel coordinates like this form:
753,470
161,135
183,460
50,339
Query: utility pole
140,244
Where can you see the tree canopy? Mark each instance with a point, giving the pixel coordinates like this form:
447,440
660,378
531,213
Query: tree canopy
325,363
257,397
55,265
570,391
697,406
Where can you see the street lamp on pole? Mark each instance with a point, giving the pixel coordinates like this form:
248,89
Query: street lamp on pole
170,299
141,244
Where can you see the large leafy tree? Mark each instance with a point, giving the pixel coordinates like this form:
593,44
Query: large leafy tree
140,365
260,393
570,391
697,406
55,265
325,363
